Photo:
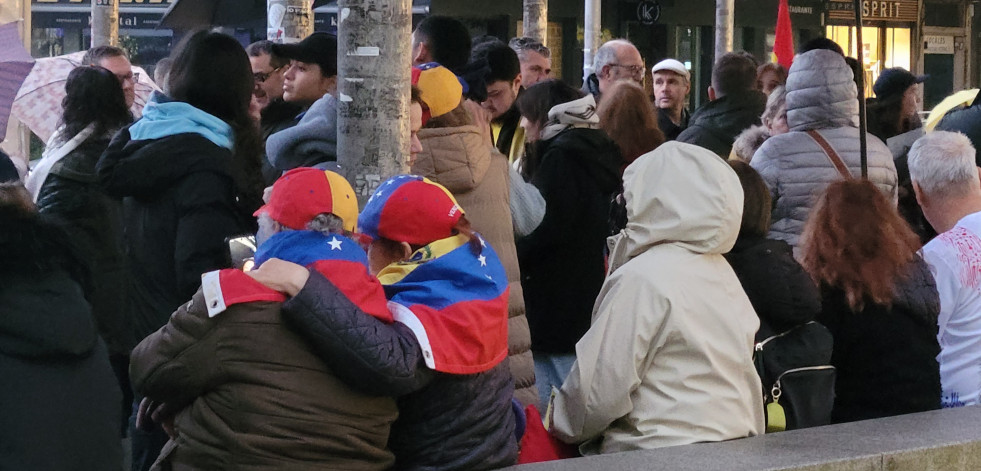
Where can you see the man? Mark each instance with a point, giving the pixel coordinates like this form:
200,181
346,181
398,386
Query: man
671,87
114,59
275,114
503,81
734,105
441,39
615,60
536,60
312,72
947,187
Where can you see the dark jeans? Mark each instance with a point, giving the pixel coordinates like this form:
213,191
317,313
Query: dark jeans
146,444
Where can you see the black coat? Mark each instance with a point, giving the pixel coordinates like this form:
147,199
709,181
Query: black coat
180,203
59,402
966,121
671,131
446,422
716,124
886,356
562,262
275,117
72,196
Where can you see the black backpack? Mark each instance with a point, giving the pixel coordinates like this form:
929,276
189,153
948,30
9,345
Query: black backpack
798,382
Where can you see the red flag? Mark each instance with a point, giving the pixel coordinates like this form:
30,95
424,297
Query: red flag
783,46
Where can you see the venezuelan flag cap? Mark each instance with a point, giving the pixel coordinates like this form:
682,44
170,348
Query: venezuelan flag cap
410,208
302,193
439,89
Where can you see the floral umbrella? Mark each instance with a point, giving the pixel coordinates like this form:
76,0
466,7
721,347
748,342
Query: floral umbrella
15,65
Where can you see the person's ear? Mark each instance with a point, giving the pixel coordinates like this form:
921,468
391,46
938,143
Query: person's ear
711,93
516,85
918,192
422,54
406,250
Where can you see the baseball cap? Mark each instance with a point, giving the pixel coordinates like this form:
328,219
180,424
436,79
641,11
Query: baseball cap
318,48
439,88
302,193
410,208
673,66
894,81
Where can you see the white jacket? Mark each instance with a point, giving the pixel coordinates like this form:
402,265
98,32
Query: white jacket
668,357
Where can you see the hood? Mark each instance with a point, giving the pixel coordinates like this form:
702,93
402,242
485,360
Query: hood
749,141
456,157
579,113
163,117
821,92
683,195
731,114
312,141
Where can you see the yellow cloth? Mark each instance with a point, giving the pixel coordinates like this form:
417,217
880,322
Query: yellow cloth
517,142
963,97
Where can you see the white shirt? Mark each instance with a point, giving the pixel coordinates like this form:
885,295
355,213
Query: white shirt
955,261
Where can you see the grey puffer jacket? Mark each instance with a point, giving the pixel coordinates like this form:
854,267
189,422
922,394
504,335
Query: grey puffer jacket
821,95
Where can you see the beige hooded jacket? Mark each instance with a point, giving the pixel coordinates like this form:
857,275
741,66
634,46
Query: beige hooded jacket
668,357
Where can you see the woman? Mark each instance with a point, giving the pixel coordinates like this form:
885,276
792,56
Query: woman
897,102
577,169
630,121
878,299
769,76
774,120
59,398
445,356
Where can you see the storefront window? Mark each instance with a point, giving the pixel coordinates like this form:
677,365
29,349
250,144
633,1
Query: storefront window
883,48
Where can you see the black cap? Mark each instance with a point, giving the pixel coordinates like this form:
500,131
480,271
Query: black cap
894,82
318,48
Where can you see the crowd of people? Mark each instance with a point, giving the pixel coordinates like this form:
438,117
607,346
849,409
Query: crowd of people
603,254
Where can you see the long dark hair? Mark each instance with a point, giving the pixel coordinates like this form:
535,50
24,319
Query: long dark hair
212,73
93,95
534,104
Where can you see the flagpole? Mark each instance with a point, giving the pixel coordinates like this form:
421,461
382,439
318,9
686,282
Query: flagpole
860,80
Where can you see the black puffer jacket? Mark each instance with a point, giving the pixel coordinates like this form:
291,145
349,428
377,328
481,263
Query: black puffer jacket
446,422
886,356
716,124
562,261
72,196
59,402
180,203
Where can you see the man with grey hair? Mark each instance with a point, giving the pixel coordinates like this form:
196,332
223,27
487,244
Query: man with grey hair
535,58
948,188
615,60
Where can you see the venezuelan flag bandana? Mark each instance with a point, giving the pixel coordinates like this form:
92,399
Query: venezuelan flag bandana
456,303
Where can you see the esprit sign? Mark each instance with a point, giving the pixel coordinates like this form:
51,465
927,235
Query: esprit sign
876,10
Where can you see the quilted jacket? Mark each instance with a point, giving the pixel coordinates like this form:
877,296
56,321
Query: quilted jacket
478,177
821,95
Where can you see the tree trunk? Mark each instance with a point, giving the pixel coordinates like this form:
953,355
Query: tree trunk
591,36
373,83
288,21
105,23
536,20
724,16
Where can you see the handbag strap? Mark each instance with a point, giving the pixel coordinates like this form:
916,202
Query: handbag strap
830,152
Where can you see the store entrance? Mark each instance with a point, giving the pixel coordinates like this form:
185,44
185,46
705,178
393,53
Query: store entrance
882,48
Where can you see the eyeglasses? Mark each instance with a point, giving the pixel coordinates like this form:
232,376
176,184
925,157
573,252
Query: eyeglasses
635,70
260,77
132,76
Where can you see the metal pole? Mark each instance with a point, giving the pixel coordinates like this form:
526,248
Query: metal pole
288,21
373,83
724,17
591,36
860,80
535,20
105,23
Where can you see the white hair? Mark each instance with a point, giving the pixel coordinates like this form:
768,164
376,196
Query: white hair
942,164
607,53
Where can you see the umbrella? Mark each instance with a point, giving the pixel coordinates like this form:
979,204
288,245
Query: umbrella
15,65
961,98
202,14
38,103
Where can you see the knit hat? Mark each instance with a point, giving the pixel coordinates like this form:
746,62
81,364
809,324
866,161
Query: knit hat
302,193
410,208
439,88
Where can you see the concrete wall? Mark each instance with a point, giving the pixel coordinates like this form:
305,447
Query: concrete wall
930,441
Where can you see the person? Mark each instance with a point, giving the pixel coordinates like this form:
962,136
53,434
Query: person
188,174
615,60
965,120
769,76
60,399
821,97
671,84
947,187
734,105
290,411
443,40
536,60
416,122
879,301
160,72
114,60
577,169
774,120
445,356
8,171
312,71
895,109
455,154
503,81
275,113
681,370
628,119
68,192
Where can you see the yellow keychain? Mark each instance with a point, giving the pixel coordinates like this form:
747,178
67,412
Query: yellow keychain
776,420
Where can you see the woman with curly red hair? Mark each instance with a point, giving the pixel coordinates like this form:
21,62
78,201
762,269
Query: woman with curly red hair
879,301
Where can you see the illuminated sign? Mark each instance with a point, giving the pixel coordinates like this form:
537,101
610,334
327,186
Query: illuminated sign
876,10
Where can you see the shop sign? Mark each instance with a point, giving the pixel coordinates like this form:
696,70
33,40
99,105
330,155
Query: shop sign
648,12
79,20
876,10
89,2
938,44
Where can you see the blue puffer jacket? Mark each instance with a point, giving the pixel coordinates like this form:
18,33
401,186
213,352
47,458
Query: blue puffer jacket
446,422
